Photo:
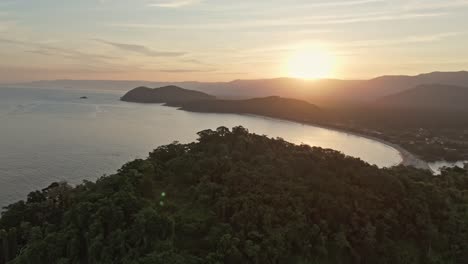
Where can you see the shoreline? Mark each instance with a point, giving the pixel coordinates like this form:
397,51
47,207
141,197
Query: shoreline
408,158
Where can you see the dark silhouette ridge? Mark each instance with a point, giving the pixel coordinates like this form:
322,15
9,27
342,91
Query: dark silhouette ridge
166,94
321,91
272,106
433,96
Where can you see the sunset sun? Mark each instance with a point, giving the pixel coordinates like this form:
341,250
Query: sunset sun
310,64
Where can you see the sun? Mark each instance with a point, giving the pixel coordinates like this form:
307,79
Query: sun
310,64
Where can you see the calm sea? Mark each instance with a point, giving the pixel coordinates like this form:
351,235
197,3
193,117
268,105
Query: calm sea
53,135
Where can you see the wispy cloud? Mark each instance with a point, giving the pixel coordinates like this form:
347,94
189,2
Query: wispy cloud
407,40
435,5
174,4
263,7
48,50
140,49
348,48
343,3
304,21
184,70
197,62
231,73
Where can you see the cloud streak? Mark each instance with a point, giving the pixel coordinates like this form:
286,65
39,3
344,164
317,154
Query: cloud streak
407,40
174,4
140,49
47,50
197,62
435,5
184,70
305,21
344,3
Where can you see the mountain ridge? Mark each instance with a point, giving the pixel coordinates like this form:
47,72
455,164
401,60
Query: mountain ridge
165,94
429,96
316,91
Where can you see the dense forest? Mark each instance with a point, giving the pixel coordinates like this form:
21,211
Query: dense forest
272,106
236,197
433,135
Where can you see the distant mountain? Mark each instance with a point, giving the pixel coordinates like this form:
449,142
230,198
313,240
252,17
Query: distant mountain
333,90
433,96
273,106
166,94
322,91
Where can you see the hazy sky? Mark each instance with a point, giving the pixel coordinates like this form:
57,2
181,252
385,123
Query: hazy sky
210,40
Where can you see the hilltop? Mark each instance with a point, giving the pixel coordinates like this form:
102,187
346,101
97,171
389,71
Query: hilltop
234,197
166,94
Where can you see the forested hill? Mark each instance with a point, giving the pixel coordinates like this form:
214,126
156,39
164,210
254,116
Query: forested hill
429,97
166,94
235,197
272,106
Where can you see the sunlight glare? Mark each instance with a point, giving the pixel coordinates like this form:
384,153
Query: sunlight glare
310,64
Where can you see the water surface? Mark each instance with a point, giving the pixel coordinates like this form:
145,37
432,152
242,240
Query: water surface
52,135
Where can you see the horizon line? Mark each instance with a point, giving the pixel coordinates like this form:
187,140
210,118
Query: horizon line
272,78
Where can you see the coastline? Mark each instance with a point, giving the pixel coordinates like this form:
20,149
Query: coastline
408,158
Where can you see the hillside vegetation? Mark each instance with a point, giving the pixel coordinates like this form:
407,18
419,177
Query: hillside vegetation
273,106
235,197
429,97
166,94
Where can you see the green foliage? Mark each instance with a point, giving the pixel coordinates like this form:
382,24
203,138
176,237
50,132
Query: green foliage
236,197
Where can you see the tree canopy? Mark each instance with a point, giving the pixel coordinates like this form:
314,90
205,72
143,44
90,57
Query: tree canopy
236,197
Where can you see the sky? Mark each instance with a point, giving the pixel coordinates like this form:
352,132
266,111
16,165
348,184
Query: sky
222,40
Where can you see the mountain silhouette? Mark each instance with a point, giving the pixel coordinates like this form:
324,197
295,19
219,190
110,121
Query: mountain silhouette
166,94
433,96
320,91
